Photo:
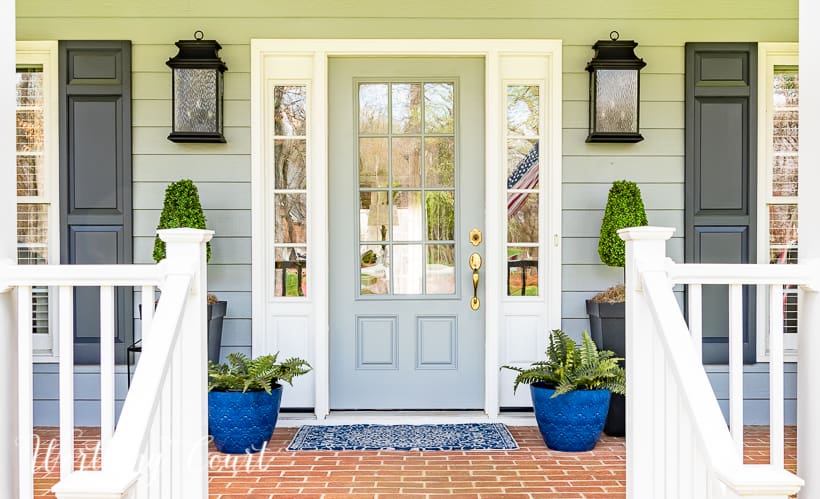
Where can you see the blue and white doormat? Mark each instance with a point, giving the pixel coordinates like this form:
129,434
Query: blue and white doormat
468,436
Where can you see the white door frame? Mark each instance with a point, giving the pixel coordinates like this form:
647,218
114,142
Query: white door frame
299,326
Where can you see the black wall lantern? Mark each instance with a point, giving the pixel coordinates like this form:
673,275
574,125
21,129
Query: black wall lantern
614,91
197,91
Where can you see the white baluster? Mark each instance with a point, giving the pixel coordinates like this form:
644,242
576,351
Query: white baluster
736,364
776,375
107,389
66,328
695,299
25,421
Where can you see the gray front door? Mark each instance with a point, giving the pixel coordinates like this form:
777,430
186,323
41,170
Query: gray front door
406,190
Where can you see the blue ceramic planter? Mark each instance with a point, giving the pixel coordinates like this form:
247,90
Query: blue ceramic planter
242,422
572,421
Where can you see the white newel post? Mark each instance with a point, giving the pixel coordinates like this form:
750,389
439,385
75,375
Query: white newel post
9,471
808,368
645,247
185,250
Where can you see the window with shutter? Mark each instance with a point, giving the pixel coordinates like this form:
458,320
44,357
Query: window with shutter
37,174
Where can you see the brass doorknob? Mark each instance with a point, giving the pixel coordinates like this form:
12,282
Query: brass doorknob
475,264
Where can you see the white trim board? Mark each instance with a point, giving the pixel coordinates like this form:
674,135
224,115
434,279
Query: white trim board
515,330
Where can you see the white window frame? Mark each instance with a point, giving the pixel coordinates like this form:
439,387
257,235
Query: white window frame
769,56
45,54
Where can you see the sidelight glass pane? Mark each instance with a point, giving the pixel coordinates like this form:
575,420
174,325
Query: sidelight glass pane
783,233
289,110
374,169
407,162
407,216
374,216
522,164
441,272
522,110
406,106
30,175
290,218
785,128
29,130
439,114
441,215
373,108
617,100
522,217
407,269
374,269
289,158
290,271
29,84
522,271
439,162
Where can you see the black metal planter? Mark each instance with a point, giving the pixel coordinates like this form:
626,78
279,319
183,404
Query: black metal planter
608,330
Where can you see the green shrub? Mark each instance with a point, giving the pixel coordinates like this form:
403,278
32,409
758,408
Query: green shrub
180,209
569,367
624,208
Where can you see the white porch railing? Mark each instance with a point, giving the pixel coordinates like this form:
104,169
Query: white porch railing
678,444
158,448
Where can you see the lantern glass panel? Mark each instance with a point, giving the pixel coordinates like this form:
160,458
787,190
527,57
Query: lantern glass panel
616,101
196,100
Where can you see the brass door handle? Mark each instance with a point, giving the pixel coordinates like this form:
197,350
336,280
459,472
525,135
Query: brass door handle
475,264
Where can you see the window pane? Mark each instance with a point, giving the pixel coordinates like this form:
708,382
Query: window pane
407,269
522,218
291,214
29,81
406,107
407,216
290,160
522,164
29,130
617,98
522,110
374,169
30,181
522,271
32,231
407,162
373,108
783,233
439,114
290,271
441,272
289,110
439,162
374,270
441,218
374,216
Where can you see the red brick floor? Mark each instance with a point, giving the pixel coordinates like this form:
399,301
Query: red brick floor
529,472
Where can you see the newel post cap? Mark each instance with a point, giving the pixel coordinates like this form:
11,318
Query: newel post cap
646,233
185,235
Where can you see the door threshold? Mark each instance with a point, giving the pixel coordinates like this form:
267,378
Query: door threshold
289,420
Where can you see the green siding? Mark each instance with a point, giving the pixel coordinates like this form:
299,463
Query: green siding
223,171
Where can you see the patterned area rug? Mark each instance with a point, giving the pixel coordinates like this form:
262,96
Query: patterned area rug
469,436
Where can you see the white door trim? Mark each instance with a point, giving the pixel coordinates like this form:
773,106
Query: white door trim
291,61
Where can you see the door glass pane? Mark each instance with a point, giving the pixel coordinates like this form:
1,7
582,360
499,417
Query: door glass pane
439,162
439,114
291,213
374,168
372,108
289,159
374,216
374,269
441,272
406,103
441,217
407,162
407,216
289,110
522,110
407,269
522,271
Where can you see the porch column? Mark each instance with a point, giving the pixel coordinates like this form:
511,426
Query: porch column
8,230
808,369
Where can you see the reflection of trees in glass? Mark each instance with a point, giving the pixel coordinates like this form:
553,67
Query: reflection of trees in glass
785,126
289,110
438,101
440,161
30,130
442,254
440,216
522,227
522,110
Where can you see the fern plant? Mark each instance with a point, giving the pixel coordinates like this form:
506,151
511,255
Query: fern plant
570,366
241,373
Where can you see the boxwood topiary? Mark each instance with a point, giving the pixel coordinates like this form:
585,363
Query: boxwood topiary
180,209
624,208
